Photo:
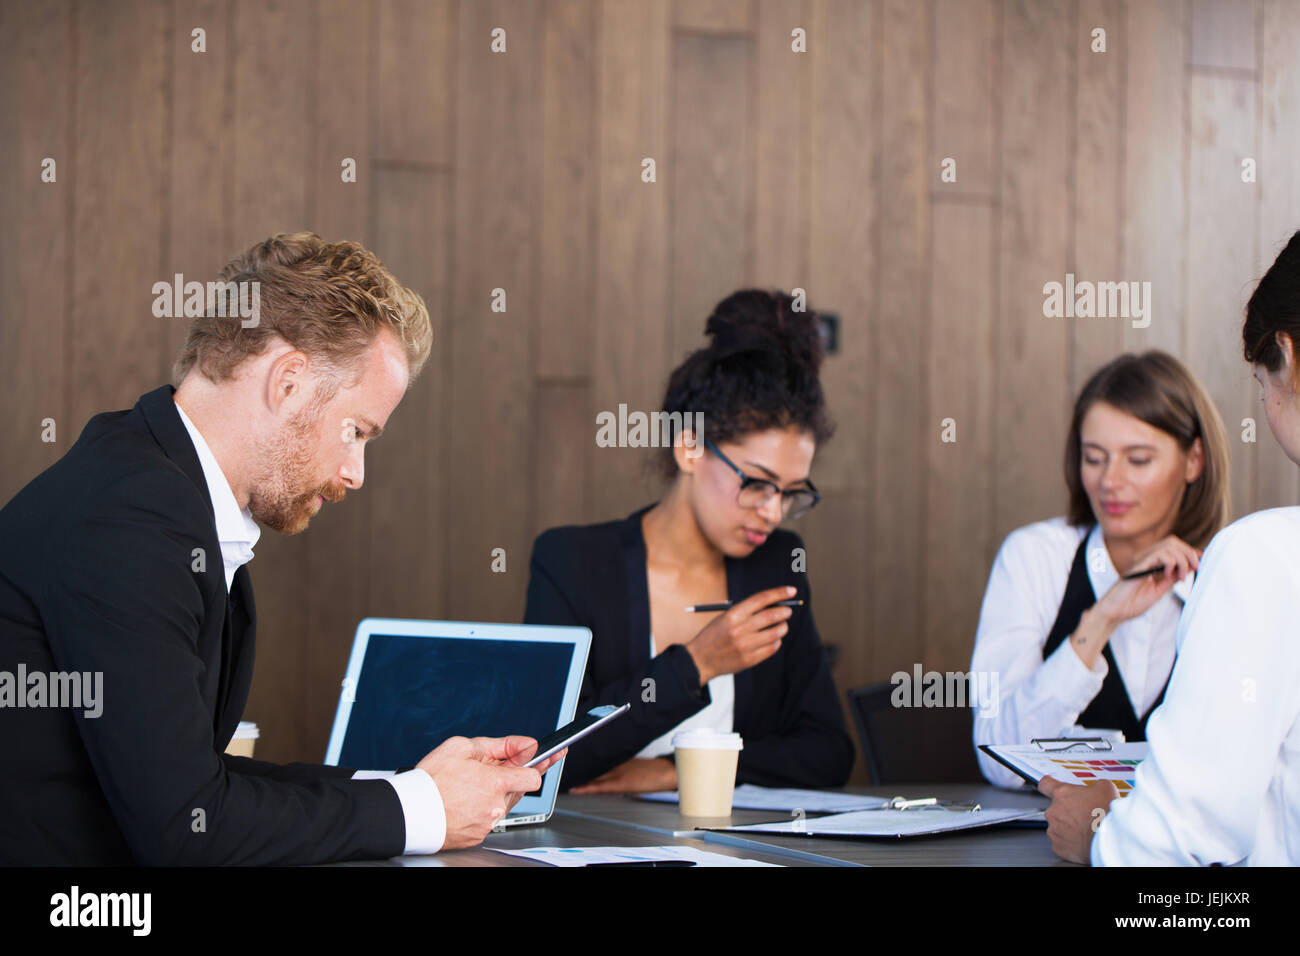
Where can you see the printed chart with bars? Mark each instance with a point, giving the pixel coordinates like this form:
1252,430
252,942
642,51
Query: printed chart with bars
1091,769
1078,764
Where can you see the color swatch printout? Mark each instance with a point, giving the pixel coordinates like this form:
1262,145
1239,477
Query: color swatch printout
1078,765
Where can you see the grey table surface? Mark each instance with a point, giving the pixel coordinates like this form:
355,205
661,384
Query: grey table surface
612,820
983,847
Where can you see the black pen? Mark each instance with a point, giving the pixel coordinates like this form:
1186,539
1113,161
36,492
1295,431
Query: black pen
697,608
648,863
1158,569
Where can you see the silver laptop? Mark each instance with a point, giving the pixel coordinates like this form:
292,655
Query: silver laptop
412,684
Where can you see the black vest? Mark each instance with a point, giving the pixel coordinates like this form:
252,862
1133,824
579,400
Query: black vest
1111,708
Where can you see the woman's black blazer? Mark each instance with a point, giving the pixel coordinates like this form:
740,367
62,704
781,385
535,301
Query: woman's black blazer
787,709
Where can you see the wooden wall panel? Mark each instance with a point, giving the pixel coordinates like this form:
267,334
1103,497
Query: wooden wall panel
959,349
1222,226
36,97
711,173
201,151
1155,174
1032,361
714,16
407,478
782,139
1277,480
963,108
843,272
900,426
490,394
269,193
415,67
1098,181
569,169
1223,34
960,475
115,346
630,339
338,559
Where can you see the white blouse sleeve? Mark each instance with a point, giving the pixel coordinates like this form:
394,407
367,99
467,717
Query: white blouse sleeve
1032,697
1216,739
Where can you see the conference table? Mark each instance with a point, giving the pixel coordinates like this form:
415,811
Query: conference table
616,820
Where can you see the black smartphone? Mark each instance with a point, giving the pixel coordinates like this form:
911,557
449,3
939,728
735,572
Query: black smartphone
596,717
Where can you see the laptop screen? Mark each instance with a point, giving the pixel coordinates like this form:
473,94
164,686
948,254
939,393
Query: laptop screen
413,692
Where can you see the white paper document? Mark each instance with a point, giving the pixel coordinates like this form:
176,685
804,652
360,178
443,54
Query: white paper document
586,855
888,823
750,797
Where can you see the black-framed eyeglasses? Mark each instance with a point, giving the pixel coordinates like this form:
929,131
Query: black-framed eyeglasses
757,492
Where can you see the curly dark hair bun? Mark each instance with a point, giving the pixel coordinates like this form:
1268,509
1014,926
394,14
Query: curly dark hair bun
759,371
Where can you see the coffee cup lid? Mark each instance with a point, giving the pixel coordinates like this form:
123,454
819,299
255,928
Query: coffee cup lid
707,740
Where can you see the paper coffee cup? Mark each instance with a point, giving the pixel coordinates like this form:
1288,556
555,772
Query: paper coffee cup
241,745
706,771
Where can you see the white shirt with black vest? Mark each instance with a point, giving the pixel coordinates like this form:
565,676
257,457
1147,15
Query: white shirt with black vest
1039,697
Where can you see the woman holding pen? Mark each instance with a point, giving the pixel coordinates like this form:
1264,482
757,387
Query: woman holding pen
698,605
1221,783
1080,612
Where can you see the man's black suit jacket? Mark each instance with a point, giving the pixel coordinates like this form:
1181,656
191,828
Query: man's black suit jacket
787,710
98,559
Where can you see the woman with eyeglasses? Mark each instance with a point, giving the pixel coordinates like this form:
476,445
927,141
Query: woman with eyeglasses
757,668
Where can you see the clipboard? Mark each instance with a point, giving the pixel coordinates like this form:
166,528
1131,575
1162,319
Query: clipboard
1077,760
890,823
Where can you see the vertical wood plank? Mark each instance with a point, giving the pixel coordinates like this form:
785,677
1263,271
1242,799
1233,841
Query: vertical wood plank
960,475
565,436
711,174
1098,181
630,355
36,105
415,80
1155,177
201,151
338,560
568,155
116,344
1277,480
407,471
497,207
1223,34
1033,364
959,352
964,119
269,194
1223,224
901,431
846,37
782,128
713,16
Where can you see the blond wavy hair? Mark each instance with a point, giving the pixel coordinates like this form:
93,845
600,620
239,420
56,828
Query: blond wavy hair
326,299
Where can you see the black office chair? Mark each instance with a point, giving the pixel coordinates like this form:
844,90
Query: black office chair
913,744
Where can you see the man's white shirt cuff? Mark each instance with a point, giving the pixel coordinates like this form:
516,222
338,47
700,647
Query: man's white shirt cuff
426,819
